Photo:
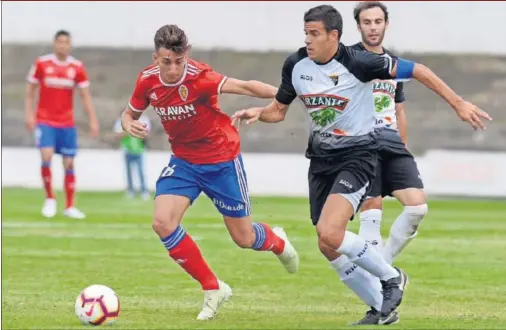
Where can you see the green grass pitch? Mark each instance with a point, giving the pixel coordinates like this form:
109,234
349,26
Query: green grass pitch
457,267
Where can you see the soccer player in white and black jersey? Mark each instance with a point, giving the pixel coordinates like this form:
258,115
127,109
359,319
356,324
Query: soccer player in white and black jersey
334,82
396,172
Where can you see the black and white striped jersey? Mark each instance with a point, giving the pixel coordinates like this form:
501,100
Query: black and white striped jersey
337,95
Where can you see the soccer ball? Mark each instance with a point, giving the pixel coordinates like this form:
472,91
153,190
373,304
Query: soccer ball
97,305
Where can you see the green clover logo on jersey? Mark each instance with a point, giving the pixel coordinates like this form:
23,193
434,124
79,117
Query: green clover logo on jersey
324,116
381,103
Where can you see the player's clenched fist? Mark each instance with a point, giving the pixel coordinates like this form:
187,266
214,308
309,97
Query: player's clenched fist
136,129
249,115
472,114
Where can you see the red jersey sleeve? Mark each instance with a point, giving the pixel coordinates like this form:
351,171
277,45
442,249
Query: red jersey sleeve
35,73
82,77
211,82
139,100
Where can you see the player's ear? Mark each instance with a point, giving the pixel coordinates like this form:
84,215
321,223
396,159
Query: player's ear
155,57
335,35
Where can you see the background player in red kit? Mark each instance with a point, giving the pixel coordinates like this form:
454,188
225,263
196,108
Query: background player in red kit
206,158
57,75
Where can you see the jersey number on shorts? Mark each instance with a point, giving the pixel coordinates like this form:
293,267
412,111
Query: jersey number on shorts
167,171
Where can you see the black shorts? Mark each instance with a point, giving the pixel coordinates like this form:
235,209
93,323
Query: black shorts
396,168
349,174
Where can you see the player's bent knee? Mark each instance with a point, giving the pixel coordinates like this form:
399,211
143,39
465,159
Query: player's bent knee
68,163
164,226
329,253
374,203
169,211
165,222
410,196
331,240
417,210
46,154
415,216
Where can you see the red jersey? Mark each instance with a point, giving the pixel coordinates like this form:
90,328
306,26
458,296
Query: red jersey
199,132
57,80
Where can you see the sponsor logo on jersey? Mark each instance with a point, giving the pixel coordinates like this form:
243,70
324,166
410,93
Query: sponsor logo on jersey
384,86
382,102
306,77
385,121
56,82
178,112
183,92
326,107
153,96
49,70
313,101
335,78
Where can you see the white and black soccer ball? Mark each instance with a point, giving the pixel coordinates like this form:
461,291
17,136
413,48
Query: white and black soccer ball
97,305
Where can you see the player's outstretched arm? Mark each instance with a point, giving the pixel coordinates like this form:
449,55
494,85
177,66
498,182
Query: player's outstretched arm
131,124
85,94
367,66
465,110
250,88
272,113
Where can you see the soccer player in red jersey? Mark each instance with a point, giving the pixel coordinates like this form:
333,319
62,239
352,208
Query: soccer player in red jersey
57,75
206,158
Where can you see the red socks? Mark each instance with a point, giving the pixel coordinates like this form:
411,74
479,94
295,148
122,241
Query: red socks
45,172
185,252
70,187
266,240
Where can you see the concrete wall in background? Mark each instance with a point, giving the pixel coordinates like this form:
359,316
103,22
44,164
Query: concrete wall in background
415,26
445,173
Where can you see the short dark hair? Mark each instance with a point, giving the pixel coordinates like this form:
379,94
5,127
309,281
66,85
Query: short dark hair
60,33
331,18
171,37
364,5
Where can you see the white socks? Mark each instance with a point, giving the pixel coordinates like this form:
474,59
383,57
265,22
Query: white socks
403,230
364,255
370,228
365,285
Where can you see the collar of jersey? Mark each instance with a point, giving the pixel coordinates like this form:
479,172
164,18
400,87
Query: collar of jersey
337,56
363,48
56,61
174,84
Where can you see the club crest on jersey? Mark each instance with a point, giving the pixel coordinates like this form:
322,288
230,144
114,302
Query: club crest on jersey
335,78
183,92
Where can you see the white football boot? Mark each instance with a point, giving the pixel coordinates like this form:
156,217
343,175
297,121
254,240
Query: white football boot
74,213
289,257
213,299
49,208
